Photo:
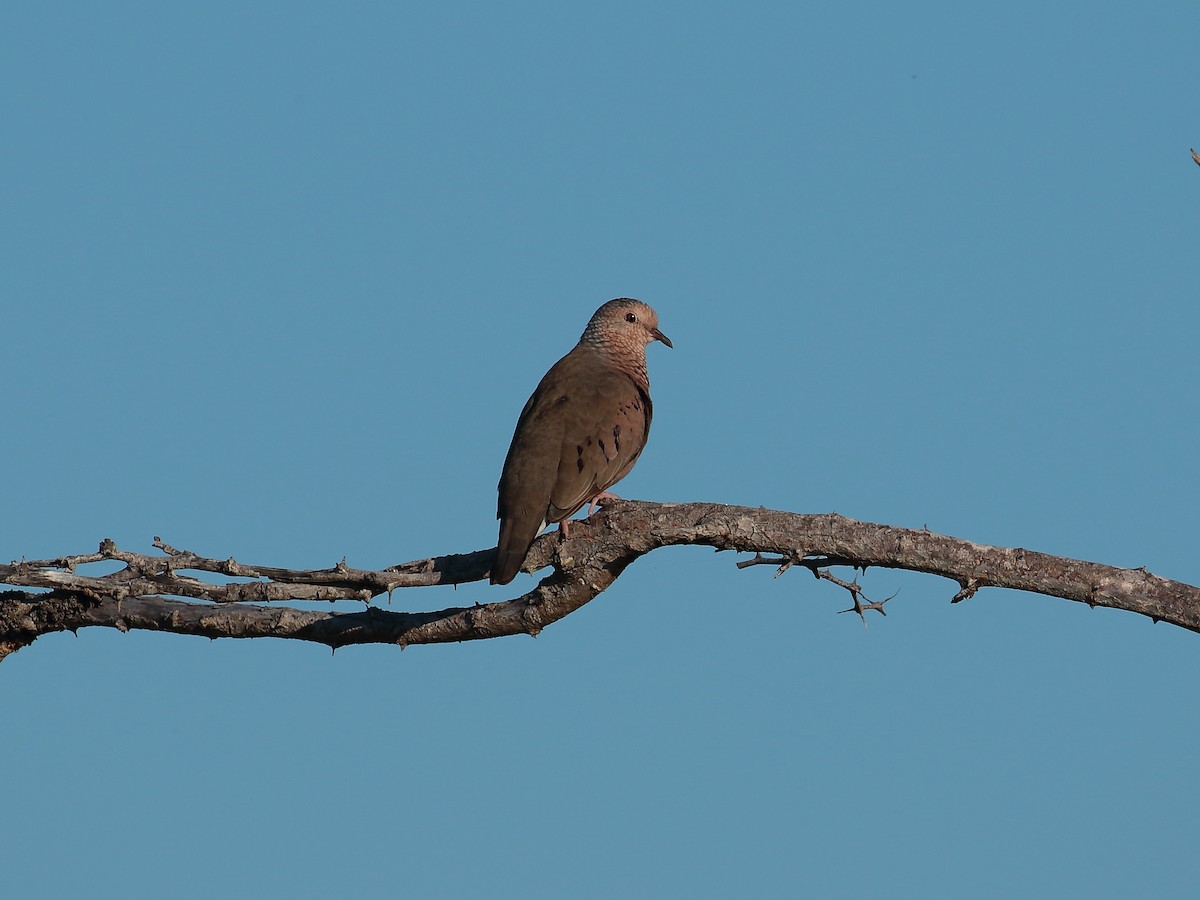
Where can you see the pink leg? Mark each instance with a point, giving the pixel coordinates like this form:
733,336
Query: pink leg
603,495
562,528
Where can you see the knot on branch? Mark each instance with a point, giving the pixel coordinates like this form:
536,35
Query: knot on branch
968,587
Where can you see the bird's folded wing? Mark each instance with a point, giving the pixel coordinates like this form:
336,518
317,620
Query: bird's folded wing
605,428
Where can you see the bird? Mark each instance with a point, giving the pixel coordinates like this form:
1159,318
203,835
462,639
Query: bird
580,432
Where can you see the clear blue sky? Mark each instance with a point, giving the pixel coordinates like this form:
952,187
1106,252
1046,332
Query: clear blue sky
277,279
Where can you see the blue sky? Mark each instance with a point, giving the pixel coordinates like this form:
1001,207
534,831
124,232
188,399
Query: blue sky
279,277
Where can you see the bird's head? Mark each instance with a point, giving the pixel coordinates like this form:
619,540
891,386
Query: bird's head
624,322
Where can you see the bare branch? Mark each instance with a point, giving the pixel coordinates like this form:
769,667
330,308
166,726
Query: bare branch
153,593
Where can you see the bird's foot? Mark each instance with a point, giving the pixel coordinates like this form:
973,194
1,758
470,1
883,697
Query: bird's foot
603,495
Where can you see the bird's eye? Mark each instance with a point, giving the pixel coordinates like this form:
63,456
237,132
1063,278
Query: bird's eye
630,317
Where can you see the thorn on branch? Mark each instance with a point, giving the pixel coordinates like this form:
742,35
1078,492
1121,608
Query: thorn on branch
856,592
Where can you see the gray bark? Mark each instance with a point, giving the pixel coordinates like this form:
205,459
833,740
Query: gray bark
153,592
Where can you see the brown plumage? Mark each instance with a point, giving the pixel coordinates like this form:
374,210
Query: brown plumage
581,431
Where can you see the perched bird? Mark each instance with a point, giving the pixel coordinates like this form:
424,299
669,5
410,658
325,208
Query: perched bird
581,431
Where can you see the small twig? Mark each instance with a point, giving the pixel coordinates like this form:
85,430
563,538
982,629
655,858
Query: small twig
760,560
784,563
814,563
1196,156
818,565
856,592
968,589
809,562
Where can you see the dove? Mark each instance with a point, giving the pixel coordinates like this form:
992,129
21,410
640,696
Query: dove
581,431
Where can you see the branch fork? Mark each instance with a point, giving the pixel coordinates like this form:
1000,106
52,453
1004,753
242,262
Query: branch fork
153,593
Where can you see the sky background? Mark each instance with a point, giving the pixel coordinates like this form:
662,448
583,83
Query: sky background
278,278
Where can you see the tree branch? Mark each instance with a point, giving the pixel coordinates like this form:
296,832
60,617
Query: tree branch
145,592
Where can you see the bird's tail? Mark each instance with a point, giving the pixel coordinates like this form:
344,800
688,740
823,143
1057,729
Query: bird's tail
512,548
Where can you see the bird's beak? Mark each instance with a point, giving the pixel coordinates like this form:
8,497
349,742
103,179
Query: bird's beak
659,336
